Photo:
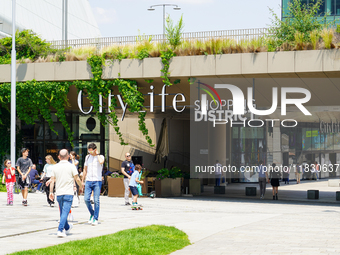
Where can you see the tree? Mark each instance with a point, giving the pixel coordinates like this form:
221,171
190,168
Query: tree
302,18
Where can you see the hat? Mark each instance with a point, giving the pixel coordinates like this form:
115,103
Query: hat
24,149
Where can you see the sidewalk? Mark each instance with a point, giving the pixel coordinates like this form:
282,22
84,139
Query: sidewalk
215,225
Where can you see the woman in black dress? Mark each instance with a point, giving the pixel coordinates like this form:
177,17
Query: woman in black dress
275,176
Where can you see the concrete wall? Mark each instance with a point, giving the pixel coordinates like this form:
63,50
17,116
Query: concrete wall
286,64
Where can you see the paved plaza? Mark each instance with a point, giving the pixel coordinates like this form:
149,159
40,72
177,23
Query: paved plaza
215,225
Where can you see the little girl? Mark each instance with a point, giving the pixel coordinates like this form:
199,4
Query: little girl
9,174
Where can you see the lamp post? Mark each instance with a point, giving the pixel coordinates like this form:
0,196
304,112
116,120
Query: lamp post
13,87
177,8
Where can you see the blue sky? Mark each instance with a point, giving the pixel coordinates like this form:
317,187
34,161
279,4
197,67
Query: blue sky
121,18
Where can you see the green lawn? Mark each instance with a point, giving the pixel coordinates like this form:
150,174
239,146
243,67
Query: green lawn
154,239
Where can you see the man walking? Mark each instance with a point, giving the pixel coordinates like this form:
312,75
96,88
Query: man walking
127,170
24,165
63,175
263,176
92,176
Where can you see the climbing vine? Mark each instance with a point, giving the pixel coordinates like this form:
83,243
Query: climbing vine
35,99
166,57
128,90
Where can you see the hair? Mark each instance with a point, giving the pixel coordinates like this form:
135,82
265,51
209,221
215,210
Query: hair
138,167
24,150
51,159
73,153
261,161
92,146
6,161
80,168
63,154
273,165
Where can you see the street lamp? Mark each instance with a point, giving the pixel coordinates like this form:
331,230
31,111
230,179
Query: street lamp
13,87
176,8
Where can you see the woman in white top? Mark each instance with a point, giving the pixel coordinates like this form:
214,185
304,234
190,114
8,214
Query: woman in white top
46,176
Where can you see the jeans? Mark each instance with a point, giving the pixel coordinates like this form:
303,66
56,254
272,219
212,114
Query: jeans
262,181
95,187
37,182
218,180
65,202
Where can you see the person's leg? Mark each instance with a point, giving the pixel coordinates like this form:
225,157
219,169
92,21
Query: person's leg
127,192
273,189
39,186
87,195
276,191
261,186
25,193
264,186
96,194
65,202
218,181
135,199
8,193
11,185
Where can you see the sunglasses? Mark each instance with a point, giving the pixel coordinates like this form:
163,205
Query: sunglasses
128,155
9,162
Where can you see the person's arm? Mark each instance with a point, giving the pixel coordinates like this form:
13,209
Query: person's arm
84,176
52,180
12,171
100,159
42,176
78,181
18,168
25,175
124,173
138,181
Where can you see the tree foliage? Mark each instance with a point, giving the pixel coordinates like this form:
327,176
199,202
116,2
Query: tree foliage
301,18
173,32
27,45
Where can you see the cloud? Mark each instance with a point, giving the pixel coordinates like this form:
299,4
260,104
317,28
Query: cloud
105,16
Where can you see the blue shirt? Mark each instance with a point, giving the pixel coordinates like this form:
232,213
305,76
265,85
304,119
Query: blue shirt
262,172
133,182
33,173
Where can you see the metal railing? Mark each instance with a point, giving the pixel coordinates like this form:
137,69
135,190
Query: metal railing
237,35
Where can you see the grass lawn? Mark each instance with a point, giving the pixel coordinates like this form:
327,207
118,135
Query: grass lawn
154,239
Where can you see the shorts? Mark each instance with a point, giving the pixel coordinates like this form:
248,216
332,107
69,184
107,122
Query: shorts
134,190
24,183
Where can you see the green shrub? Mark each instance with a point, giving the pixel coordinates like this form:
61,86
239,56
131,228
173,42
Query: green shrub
303,19
174,32
327,37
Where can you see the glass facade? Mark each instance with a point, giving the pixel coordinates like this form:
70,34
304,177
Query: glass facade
332,7
41,140
303,144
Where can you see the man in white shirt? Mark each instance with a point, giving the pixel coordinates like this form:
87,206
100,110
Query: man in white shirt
92,176
63,175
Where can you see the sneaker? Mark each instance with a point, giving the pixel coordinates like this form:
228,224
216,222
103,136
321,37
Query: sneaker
24,203
127,203
95,222
61,234
90,220
92,202
69,230
51,205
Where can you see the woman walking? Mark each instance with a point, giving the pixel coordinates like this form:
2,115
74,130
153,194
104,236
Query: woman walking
275,176
9,175
46,176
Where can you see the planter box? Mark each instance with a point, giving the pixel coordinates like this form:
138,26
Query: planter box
250,191
195,187
219,189
312,194
115,187
168,187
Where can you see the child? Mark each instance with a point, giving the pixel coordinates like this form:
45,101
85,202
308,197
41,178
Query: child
133,184
9,174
